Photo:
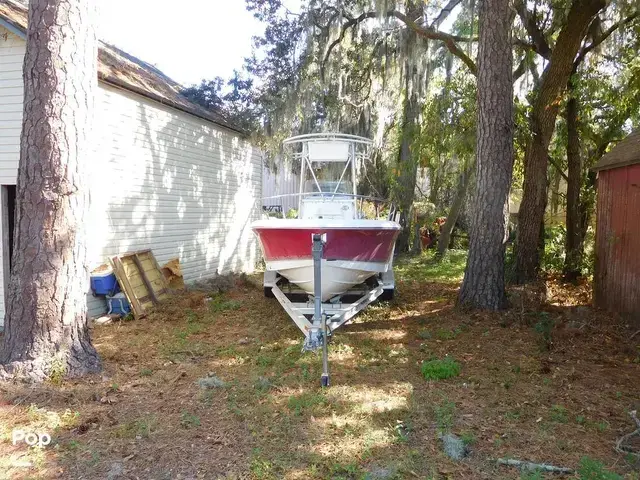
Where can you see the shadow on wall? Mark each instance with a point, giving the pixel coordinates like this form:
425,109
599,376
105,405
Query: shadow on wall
179,187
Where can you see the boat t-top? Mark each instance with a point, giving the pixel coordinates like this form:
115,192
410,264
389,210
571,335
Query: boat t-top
330,262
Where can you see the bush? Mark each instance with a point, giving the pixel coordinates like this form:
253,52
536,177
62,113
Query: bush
554,252
440,369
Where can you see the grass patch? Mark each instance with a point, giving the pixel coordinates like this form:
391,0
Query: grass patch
445,413
440,369
591,469
219,303
189,420
559,414
444,334
141,427
306,402
426,267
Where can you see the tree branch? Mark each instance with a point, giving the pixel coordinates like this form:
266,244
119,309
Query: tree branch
444,13
597,41
557,167
521,69
539,44
352,22
426,32
432,34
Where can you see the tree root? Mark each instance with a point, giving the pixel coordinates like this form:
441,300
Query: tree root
530,466
620,448
50,367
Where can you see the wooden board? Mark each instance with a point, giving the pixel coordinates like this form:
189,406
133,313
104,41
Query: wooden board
141,279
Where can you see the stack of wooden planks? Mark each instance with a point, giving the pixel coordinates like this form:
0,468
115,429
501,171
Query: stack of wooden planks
141,280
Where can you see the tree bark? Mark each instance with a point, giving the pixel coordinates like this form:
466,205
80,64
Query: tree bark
456,208
574,240
542,121
46,323
483,284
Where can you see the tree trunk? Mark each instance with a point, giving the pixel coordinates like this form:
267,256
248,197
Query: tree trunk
405,184
407,172
46,323
456,207
483,284
573,244
543,120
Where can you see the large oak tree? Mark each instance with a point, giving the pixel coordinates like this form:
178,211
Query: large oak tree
46,323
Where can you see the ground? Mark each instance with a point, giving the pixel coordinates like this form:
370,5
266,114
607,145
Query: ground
550,380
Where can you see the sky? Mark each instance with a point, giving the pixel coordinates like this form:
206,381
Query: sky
188,40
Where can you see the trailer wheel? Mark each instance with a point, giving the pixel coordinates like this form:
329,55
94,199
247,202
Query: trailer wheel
268,293
387,295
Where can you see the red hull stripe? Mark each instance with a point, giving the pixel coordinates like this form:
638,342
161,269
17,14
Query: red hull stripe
343,244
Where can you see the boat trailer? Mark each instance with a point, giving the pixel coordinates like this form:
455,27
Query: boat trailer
317,319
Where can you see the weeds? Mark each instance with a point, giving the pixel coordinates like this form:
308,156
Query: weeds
444,413
305,402
544,328
219,304
189,420
444,334
591,469
559,414
440,369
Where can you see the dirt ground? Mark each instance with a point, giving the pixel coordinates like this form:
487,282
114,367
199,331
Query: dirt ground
550,380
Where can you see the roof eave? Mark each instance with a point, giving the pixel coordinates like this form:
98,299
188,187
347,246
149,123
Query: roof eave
168,103
628,163
16,30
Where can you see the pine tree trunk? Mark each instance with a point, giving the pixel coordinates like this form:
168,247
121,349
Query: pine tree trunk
542,121
46,323
456,208
574,240
483,284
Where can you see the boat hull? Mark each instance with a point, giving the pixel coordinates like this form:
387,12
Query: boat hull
354,251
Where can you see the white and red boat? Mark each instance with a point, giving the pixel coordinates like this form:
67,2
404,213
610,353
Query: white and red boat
330,252
354,250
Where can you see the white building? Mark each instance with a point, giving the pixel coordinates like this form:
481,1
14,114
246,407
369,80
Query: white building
166,175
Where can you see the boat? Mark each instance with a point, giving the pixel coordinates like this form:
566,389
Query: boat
330,252
354,250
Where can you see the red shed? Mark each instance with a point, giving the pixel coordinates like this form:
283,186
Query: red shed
617,270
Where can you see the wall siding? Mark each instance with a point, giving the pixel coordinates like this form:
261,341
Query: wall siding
617,270
160,179
283,182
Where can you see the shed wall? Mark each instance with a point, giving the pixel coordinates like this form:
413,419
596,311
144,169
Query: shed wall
617,273
282,182
160,179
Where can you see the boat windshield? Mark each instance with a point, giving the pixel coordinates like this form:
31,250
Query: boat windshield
332,177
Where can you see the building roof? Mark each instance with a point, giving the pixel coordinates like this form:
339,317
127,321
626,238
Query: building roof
118,68
626,152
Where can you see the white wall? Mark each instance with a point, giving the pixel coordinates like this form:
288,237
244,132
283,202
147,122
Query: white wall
283,182
161,179
11,55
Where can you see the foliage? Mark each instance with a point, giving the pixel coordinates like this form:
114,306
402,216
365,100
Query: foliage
447,269
544,328
440,369
554,248
444,413
591,469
